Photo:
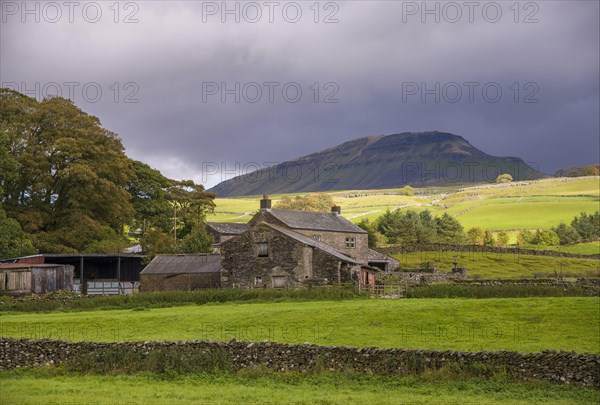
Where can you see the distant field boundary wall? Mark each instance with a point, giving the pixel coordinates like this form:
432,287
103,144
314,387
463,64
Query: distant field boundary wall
581,369
441,247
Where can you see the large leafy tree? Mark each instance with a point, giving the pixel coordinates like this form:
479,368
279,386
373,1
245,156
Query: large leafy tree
148,189
66,176
14,242
68,183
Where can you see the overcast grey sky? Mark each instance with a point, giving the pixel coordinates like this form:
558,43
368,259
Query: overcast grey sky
170,73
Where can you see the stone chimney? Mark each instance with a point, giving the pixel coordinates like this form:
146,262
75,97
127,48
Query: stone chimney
336,209
265,203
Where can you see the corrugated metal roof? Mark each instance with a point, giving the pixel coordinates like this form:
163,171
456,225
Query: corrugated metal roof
320,221
228,228
27,265
85,255
184,264
312,242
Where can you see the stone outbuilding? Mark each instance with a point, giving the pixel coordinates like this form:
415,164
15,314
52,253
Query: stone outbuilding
184,272
382,261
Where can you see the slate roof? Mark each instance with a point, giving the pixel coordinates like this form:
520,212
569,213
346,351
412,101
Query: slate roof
184,264
375,256
312,242
228,228
318,221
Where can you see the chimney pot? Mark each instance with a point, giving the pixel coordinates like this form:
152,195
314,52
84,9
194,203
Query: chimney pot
265,203
336,209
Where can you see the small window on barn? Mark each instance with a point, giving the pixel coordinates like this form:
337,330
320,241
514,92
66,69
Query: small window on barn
317,237
350,242
262,249
258,280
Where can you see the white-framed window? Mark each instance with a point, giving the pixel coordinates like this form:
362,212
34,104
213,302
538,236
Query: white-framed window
262,249
258,280
350,242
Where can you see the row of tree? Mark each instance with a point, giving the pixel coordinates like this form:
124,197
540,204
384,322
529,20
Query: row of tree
411,227
66,185
583,228
579,171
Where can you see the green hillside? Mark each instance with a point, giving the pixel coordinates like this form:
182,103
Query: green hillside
518,205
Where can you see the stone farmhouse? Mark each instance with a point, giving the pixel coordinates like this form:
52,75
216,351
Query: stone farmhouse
280,249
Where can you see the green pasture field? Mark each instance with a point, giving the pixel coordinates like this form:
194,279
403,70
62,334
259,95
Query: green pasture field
503,265
520,324
524,215
529,205
588,248
52,386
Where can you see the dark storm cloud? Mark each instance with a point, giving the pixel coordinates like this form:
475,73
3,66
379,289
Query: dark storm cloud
374,55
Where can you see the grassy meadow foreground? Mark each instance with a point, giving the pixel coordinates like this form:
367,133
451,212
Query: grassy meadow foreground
53,386
519,324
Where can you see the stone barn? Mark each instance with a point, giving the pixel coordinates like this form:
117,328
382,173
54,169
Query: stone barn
267,255
25,279
184,272
292,249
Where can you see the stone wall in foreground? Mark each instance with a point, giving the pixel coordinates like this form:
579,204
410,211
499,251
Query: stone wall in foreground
558,367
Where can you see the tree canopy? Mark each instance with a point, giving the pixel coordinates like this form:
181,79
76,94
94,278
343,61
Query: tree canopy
70,187
411,227
310,202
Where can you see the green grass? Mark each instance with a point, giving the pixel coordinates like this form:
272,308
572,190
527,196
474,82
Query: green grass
588,248
49,386
524,214
503,265
589,186
508,290
525,324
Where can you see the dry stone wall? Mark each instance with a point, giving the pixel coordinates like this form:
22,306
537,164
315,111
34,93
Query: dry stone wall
581,369
440,247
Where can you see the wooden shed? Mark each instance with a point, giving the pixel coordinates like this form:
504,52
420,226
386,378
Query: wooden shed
24,278
183,272
97,273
